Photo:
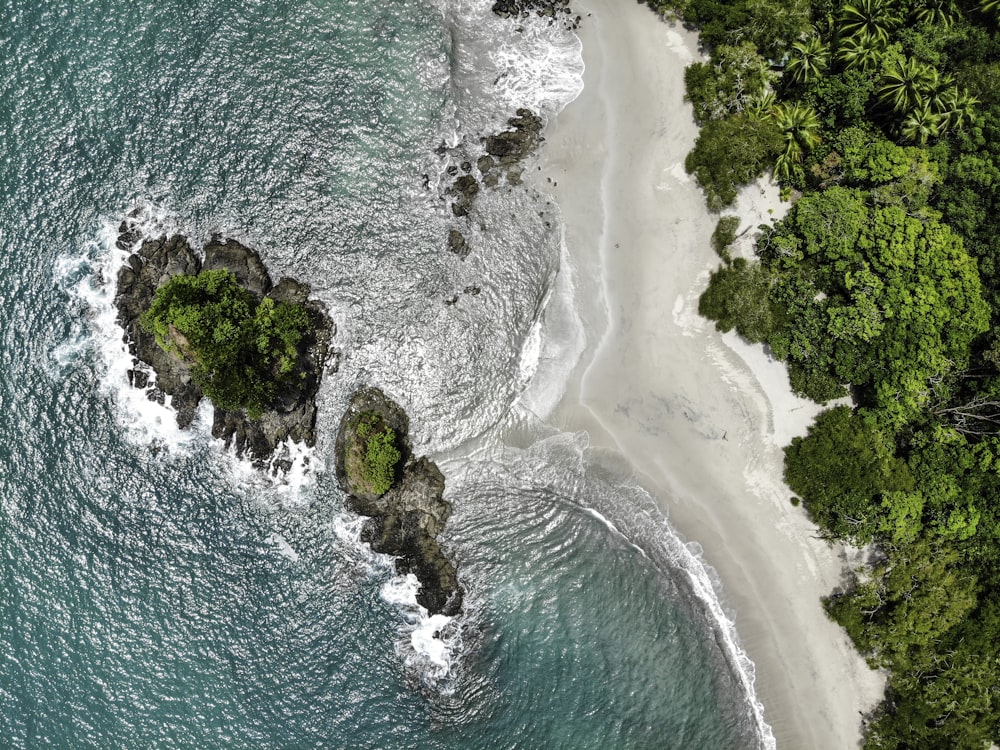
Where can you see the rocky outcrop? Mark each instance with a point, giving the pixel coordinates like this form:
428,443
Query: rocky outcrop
503,160
293,412
551,9
406,520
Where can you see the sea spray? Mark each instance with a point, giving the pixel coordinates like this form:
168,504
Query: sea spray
500,64
89,279
428,645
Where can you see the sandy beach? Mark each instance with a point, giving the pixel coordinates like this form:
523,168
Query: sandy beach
702,417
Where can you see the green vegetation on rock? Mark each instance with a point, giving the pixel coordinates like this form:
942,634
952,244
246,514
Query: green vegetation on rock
883,282
372,456
242,350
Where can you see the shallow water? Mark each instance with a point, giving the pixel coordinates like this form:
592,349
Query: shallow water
156,592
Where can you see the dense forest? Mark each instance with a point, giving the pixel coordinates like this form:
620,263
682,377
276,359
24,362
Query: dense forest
881,291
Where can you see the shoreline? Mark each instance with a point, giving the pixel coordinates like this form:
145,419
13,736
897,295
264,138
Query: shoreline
700,416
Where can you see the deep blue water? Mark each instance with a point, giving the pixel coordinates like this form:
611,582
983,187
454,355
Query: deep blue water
156,593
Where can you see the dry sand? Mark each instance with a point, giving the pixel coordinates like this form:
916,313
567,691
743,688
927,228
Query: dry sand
701,416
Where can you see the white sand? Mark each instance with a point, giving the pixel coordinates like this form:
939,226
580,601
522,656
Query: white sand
702,417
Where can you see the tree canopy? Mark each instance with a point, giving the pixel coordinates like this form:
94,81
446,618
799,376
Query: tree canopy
241,350
882,119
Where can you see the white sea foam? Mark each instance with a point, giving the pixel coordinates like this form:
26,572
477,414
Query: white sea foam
530,353
428,644
503,64
561,341
90,279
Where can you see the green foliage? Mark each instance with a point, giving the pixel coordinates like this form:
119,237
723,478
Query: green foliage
884,277
731,152
799,125
736,76
737,297
818,385
808,60
841,469
381,457
772,25
372,455
843,99
725,235
873,18
873,297
241,350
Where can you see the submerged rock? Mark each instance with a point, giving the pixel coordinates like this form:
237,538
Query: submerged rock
293,411
406,519
458,244
504,157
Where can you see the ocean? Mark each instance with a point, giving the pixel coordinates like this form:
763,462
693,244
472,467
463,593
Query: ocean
159,592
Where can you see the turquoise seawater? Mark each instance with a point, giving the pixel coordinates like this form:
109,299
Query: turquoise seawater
157,593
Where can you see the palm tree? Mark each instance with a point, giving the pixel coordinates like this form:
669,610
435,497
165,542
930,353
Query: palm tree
808,59
800,125
873,17
861,50
906,84
785,166
920,124
939,88
759,107
956,109
989,7
937,12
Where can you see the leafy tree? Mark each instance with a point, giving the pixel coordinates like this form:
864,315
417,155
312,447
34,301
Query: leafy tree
737,297
841,470
843,99
732,152
909,604
736,76
372,456
725,235
240,350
